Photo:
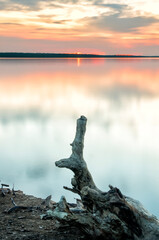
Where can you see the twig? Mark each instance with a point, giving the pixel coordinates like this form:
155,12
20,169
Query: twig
71,189
16,208
13,202
13,191
4,185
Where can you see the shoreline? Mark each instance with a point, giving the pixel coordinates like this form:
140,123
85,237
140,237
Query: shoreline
20,218
20,55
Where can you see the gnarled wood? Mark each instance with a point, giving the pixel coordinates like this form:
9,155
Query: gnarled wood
109,215
82,177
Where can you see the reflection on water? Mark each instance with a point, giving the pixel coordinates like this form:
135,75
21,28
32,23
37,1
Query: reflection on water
40,101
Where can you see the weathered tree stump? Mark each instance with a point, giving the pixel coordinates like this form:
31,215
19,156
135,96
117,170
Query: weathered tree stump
108,215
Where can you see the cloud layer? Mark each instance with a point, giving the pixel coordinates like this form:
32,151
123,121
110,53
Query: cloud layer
124,22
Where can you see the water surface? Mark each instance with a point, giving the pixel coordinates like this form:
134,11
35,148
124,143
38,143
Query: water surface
40,100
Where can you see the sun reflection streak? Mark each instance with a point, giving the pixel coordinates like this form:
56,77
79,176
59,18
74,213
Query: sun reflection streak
78,62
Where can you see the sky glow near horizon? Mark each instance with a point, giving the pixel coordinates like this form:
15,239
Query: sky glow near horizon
108,27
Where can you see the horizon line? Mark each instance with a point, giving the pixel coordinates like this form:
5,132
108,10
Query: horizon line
70,55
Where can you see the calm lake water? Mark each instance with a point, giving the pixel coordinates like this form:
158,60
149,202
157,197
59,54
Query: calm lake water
40,101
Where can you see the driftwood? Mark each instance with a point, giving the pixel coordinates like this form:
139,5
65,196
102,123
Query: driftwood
4,190
48,203
108,215
18,208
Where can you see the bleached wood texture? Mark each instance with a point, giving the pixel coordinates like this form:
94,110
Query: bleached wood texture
109,215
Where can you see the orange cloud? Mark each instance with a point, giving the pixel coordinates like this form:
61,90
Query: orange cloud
119,25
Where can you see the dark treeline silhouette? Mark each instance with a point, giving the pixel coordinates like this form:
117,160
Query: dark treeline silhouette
66,55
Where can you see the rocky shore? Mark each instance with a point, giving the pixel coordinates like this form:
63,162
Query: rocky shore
20,218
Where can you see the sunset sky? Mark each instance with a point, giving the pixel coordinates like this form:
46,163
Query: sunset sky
90,26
